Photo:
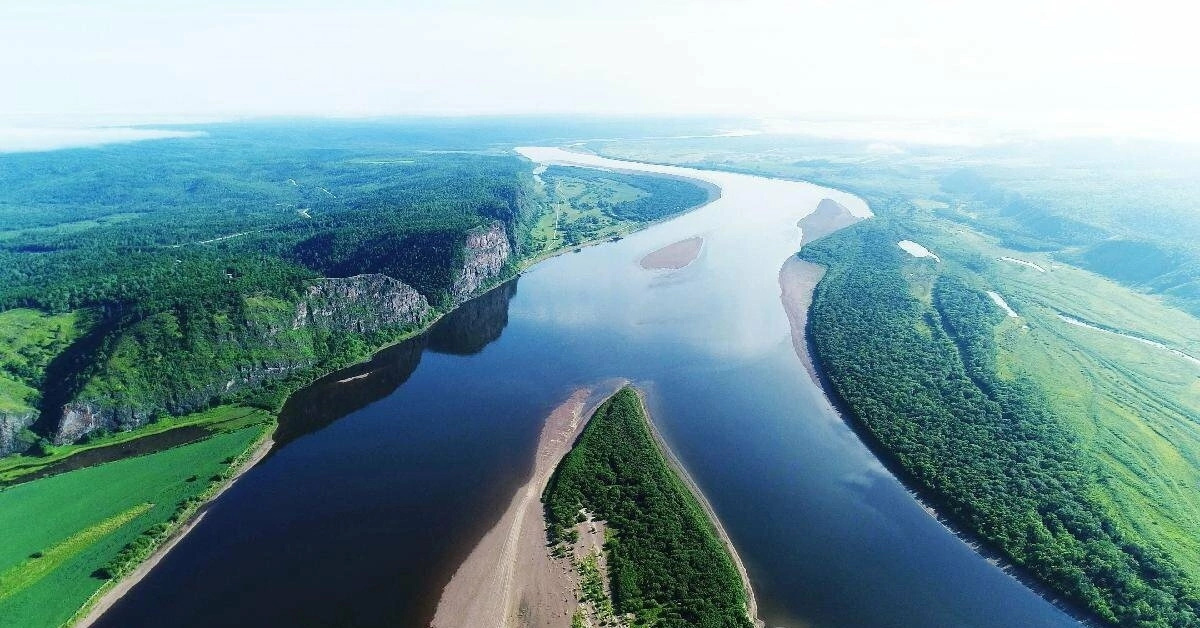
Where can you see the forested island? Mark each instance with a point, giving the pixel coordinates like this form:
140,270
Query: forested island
163,299
665,562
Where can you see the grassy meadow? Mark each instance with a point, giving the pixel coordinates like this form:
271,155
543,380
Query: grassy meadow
61,529
215,420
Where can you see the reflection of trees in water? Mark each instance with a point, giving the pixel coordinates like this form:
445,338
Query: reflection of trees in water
475,324
465,331
330,399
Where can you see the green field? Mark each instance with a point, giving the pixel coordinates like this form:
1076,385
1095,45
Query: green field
668,566
218,419
1134,406
576,216
60,530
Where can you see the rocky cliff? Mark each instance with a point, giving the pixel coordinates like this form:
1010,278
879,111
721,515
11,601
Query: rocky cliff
363,304
85,416
11,426
272,345
485,254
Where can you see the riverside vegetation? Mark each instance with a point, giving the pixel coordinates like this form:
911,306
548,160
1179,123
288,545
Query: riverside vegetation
1070,452
188,287
667,564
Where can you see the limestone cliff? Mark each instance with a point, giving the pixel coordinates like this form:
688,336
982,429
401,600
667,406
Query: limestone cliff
11,426
485,254
272,344
363,304
84,416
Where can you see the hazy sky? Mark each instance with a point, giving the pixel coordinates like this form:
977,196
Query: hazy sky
1128,66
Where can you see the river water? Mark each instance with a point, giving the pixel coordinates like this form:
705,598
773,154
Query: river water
380,485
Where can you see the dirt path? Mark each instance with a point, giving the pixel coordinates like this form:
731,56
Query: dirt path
510,578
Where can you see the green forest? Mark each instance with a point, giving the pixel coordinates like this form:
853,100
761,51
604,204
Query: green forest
667,564
181,263
157,289
909,349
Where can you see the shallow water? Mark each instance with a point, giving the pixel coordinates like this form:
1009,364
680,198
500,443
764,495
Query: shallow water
381,485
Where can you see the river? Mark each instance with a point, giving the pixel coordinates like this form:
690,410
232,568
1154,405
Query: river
386,475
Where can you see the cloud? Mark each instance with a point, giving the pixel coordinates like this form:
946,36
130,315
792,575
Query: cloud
27,139
1107,66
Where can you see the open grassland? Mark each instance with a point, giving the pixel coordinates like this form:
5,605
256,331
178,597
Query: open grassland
61,530
1135,407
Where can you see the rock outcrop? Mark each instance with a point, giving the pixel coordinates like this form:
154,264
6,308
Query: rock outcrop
86,416
11,426
363,304
82,418
485,254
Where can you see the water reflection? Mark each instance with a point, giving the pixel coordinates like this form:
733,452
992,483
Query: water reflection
465,331
475,324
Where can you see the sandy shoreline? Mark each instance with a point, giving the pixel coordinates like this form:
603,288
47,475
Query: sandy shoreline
111,595
673,256
797,281
509,578
798,278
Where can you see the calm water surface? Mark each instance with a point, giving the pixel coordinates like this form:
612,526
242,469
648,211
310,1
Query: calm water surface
381,485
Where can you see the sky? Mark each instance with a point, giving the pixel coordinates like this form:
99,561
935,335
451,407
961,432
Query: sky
1120,68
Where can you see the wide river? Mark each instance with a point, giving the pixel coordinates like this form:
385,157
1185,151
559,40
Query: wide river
379,486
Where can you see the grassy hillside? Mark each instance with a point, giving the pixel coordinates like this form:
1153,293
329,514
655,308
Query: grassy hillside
187,259
667,565
910,345
29,339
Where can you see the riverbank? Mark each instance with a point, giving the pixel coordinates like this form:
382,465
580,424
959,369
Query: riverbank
112,592
513,577
798,280
510,577
934,504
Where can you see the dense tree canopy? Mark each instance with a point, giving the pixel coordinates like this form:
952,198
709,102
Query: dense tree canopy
922,381
668,566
